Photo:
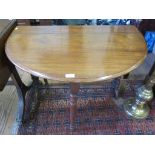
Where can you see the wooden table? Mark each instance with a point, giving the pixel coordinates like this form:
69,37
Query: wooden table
76,54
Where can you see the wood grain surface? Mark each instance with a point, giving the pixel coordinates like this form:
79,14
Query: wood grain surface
76,53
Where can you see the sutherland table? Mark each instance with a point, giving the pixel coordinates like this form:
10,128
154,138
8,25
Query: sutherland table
76,54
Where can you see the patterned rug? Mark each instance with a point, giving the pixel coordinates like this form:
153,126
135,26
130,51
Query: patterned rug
96,112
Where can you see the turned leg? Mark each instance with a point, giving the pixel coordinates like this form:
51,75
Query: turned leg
74,89
35,105
119,87
21,91
122,86
47,86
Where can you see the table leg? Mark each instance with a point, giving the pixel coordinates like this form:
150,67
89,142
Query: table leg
74,89
35,105
119,87
21,91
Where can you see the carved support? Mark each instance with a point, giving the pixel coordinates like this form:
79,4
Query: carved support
21,91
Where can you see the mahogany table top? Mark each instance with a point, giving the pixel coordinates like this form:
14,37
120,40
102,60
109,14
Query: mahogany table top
76,53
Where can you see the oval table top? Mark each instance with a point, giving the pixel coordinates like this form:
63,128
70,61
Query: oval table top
76,53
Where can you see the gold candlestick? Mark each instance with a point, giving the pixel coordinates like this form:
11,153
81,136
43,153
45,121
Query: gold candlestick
137,107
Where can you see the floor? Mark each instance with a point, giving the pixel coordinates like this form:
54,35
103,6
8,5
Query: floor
9,99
